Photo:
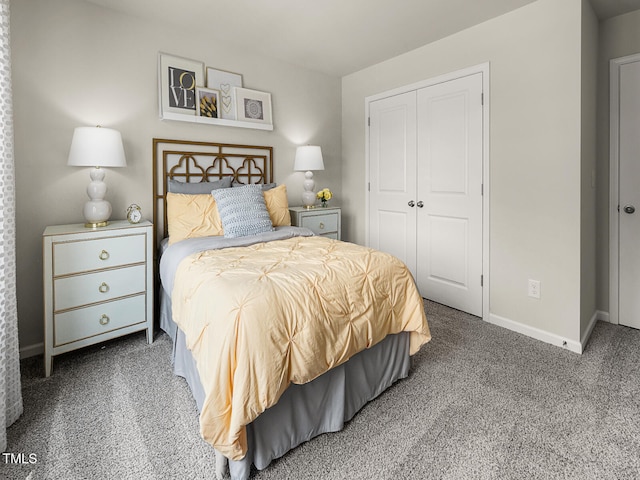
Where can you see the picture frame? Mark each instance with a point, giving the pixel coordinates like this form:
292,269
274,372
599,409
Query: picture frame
208,102
253,106
178,78
225,82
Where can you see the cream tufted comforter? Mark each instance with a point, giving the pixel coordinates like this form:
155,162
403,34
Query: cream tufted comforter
260,317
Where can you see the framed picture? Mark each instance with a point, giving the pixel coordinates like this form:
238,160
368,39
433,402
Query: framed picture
225,82
253,106
178,78
208,101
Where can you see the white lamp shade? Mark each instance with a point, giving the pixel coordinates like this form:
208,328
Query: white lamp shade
308,158
96,147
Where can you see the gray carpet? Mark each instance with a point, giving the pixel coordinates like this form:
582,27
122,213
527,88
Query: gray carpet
481,402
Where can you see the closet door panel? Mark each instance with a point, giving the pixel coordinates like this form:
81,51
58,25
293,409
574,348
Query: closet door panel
447,256
449,171
392,179
445,120
392,224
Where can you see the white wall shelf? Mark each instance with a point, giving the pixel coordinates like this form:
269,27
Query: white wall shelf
215,121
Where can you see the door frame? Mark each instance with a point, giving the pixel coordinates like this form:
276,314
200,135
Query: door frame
614,183
482,68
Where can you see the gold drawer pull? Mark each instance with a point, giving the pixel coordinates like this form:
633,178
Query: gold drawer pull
104,255
321,226
104,319
103,288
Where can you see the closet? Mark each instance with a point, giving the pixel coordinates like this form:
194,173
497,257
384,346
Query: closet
425,188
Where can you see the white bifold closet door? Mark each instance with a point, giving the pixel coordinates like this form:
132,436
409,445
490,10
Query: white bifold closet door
425,154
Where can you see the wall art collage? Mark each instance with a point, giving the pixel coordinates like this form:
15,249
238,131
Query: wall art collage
187,87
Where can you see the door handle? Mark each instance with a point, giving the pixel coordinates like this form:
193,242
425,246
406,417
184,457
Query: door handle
420,204
411,203
629,209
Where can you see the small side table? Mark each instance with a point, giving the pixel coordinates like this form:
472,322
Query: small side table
322,221
98,285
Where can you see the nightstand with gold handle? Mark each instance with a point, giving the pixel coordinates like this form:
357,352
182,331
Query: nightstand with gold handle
322,221
98,285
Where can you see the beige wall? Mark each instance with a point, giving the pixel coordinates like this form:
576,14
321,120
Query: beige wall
77,64
588,162
535,153
619,37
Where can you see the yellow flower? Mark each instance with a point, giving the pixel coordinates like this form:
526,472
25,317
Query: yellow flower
324,194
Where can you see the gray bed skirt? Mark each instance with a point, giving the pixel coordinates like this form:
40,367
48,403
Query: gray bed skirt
303,411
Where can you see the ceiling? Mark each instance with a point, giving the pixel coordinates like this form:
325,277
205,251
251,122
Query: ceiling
336,37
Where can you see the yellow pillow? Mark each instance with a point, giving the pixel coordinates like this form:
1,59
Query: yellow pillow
190,216
278,206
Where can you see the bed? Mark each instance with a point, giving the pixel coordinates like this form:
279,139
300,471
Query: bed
280,334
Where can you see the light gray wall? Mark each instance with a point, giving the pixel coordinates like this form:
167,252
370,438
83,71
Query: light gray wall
535,158
619,37
77,64
588,161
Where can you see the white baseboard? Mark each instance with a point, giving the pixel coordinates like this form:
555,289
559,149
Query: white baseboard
536,333
32,350
38,348
552,338
589,330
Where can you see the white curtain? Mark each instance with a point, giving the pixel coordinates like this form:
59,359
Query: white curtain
10,392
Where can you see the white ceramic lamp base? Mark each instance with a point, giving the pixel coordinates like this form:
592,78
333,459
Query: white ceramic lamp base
308,196
97,211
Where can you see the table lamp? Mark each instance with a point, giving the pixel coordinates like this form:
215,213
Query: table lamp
96,147
308,158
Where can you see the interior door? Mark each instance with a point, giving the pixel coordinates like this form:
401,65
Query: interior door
449,202
392,179
629,194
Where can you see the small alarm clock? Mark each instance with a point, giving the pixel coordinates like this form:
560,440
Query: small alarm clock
134,214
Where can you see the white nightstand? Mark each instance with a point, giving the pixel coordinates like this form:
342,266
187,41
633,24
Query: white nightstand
98,285
323,221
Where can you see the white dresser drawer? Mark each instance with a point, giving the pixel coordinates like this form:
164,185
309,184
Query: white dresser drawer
321,224
87,255
88,322
79,290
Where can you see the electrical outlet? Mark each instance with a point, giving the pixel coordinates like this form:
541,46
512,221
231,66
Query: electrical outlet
534,288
